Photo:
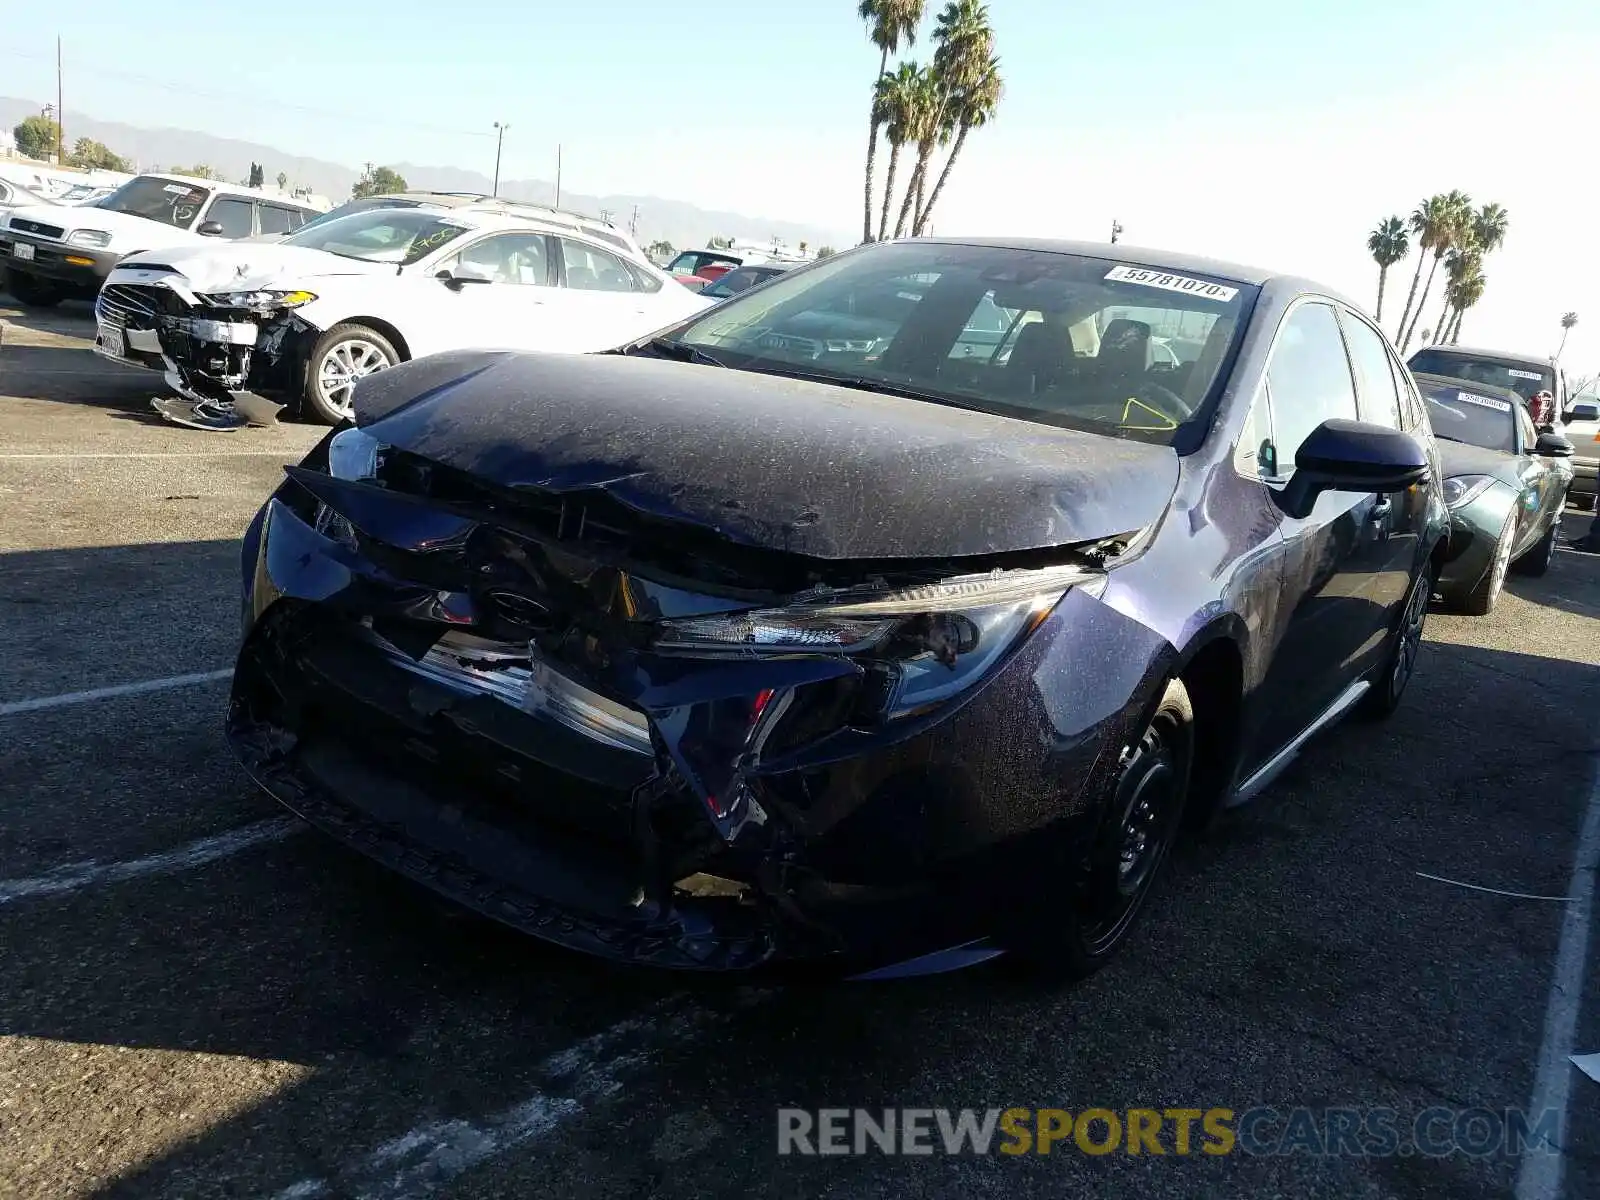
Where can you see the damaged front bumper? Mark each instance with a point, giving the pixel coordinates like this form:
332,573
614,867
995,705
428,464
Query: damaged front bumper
206,352
725,816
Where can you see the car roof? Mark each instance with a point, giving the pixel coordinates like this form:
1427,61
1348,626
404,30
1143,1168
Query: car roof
1509,356
1167,260
223,187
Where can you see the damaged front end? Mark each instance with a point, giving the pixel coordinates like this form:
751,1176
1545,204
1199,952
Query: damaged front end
232,346
633,739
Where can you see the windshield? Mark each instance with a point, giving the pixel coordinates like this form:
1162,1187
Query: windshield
1527,379
1060,339
741,279
352,207
692,262
158,199
1473,419
381,235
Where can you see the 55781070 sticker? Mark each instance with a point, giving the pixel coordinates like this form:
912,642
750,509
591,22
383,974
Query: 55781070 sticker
1168,282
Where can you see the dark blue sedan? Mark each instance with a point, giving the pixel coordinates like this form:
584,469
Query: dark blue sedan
813,630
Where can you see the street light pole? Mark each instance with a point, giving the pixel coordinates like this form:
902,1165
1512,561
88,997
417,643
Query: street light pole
558,174
498,142
1116,230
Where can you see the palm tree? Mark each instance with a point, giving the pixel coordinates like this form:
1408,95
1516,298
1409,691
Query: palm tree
1463,262
1467,292
897,97
1426,220
1457,220
889,22
974,107
1568,320
1489,227
1388,244
925,128
968,78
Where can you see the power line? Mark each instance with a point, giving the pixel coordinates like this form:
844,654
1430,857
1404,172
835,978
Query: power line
364,119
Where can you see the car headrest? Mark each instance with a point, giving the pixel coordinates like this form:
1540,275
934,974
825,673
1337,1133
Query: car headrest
1125,344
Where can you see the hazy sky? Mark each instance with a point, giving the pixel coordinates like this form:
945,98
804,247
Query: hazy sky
1273,132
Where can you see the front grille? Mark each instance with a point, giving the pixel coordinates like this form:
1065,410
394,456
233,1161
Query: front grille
142,301
22,225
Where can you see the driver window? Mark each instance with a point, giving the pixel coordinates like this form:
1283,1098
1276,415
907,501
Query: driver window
1529,434
1308,380
510,258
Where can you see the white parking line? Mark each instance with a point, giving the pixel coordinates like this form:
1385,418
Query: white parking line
421,1161
1539,1176
13,707
75,876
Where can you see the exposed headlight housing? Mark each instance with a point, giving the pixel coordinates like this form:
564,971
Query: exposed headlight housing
924,644
263,299
1464,489
354,455
89,237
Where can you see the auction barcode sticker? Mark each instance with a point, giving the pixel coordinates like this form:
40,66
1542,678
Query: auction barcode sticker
1484,402
1512,371
1168,282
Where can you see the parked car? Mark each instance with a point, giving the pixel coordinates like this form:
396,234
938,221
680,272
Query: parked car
703,264
1582,429
741,279
1505,486
62,252
17,195
301,321
718,652
1525,375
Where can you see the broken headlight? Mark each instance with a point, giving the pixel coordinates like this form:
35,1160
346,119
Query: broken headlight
354,455
259,299
923,643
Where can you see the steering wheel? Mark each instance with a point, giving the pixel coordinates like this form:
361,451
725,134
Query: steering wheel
1151,400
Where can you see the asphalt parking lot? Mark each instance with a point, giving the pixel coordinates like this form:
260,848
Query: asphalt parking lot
199,999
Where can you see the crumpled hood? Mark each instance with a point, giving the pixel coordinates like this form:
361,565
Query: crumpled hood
245,266
768,461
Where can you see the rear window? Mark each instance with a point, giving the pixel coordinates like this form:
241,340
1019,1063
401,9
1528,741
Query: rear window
1056,338
1476,420
1527,379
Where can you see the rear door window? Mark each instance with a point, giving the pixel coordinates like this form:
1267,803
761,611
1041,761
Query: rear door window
1309,380
275,218
1380,398
589,269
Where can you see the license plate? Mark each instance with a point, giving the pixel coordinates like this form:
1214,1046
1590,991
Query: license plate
112,342
21,250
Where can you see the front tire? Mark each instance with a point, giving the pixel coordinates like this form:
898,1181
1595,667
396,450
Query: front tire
1071,936
1480,601
1536,562
343,356
30,291
1406,646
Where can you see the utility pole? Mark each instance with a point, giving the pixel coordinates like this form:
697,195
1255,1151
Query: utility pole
1116,230
61,113
633,225
499,139
558,174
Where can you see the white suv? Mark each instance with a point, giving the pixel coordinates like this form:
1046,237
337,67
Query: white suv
303,319
58,252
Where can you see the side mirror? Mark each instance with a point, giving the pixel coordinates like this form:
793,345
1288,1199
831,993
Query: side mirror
1352,456
1552,445
464,273
1581,412
210,229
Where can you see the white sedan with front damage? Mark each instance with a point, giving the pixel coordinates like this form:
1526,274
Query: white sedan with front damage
300,321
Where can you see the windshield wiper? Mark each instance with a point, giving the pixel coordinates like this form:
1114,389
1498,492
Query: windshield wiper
865,383
683,352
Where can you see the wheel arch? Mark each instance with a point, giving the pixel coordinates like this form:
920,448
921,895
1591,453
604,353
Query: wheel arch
1211,669
379,325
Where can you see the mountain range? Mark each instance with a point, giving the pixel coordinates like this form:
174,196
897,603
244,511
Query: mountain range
682,224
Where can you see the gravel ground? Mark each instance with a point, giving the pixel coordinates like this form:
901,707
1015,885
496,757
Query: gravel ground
200,999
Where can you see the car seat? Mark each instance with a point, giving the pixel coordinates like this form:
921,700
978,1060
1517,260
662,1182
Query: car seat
1042,356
